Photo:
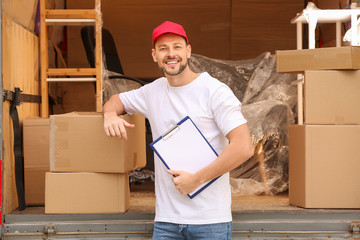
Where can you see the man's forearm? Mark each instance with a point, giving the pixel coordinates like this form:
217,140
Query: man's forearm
114,125
113,106
239,150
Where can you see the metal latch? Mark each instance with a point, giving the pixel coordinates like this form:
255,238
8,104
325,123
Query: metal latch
12,95
355,228
50,229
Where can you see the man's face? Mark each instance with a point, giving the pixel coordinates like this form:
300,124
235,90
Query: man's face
171,53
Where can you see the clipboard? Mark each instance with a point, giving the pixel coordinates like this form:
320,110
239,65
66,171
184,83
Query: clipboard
185,148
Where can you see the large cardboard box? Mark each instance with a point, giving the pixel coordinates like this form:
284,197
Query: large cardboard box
87,192
78,143
332,97
332,58
36,159
324,166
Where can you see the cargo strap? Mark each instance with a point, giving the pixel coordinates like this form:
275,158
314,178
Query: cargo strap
19,97
16,98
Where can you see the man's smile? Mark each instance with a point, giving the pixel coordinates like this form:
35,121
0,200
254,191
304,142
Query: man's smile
172,62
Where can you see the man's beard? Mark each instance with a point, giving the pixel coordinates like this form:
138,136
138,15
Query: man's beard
182,67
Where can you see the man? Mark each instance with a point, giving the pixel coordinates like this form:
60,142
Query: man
216,112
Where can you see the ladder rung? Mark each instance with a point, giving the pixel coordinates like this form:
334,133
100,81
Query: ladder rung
70,13
71,79
71,71
66,21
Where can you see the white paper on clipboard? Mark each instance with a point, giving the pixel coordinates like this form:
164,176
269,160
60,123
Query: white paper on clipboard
185,148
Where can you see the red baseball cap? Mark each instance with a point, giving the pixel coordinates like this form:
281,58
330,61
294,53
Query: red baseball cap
168,27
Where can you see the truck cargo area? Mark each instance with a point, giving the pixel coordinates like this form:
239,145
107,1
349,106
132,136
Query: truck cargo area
298,86
254,217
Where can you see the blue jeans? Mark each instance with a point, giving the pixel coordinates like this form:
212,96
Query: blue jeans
171,231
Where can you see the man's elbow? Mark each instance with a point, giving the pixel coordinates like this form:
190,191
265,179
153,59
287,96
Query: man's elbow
247,151
114,104
250,151
240,136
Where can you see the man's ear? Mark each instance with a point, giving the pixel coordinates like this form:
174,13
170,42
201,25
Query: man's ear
188,50
153,54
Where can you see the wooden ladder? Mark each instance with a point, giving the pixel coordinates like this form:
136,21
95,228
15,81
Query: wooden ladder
69,17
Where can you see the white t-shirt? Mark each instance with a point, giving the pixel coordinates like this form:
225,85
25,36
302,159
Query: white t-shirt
216,111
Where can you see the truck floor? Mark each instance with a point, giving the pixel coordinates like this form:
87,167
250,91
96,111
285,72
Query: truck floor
254,217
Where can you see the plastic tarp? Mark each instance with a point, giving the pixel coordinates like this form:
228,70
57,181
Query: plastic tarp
268,103
111,86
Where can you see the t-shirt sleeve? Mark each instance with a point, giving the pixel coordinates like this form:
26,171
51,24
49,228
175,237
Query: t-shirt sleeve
226,109
134,101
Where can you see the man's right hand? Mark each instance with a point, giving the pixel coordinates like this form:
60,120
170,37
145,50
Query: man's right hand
115,126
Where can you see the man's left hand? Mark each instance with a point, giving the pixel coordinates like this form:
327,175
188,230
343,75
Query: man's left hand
185,182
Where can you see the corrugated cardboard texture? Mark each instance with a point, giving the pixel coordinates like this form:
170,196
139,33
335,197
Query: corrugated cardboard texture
324,166
87,193
297,165
36,159
332,97
78,143
334,58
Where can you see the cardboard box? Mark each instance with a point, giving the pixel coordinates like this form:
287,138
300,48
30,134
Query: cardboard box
36,159
332,97
333,58
87,192
324,166
78,143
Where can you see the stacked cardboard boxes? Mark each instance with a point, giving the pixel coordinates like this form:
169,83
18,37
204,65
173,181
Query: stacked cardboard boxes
323,158
88,171
36,134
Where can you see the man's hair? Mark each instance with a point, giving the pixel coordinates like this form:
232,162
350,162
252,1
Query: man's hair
185,39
